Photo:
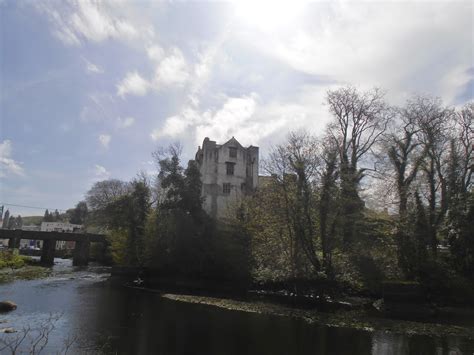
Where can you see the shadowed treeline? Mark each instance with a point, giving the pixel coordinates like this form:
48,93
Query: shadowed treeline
311,216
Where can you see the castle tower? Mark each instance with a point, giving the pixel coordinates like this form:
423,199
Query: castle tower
228,172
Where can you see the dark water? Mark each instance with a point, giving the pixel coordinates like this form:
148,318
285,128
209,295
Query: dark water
117,320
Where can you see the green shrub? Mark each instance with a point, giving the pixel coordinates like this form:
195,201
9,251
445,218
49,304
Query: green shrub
11,258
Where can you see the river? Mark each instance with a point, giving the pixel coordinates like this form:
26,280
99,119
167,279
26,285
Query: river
97,317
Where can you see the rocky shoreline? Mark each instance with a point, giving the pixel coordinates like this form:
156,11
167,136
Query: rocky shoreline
359,319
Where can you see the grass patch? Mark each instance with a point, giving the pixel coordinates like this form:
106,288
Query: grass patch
28,272
11,259
19,267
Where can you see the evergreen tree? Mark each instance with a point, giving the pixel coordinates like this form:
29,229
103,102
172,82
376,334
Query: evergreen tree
184,234
138,202
56,216
48,217
11,223
6,217
171,177
191,195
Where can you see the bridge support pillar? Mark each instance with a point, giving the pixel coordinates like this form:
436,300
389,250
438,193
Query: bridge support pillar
14,243
81,253
14,240
47,254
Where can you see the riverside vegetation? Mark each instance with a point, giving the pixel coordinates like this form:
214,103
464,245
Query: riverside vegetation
316,222
14,266
384,193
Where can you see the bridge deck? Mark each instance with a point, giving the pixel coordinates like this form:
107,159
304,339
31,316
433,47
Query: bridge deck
37,235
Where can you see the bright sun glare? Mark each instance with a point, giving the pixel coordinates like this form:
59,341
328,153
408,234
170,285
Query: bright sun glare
268,14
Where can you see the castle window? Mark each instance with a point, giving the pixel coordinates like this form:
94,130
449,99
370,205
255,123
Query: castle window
230,168
226,188
243,186
233,152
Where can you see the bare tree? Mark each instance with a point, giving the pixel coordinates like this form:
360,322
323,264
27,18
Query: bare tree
433,120
104,192
405,153
294,166
465,127
360,119
34,338
328,206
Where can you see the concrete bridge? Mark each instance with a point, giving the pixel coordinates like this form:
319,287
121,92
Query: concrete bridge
81,250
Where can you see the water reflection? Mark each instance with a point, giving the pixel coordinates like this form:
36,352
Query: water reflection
113,319
141,323
385,343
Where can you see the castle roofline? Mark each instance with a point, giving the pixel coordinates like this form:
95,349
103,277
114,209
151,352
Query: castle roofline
233,141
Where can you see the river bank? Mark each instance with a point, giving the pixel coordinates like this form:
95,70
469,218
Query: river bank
19,267
355,319
27,272
106,316
351,313
402,308
357,316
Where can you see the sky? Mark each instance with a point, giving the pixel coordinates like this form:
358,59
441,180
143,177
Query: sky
89,89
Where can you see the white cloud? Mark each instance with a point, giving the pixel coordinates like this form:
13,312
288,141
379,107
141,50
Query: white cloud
176,125
133,84
172,70
125,122
104,140
237,117
100,172
92,68
7,164
87,20
249,119
155,52
401,46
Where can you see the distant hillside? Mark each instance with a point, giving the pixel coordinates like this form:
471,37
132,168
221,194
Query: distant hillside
32,220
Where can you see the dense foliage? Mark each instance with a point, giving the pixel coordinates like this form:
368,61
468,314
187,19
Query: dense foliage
312,218
11,259
384,193
162,225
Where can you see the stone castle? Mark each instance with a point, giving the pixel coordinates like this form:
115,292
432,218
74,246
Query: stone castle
228,172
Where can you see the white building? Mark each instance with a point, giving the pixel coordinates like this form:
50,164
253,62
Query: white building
228,172
61,227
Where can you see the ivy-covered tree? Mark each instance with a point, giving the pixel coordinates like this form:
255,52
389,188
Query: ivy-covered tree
359,120
433,119
329,207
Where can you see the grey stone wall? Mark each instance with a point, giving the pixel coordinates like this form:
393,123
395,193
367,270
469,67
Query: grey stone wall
213,160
